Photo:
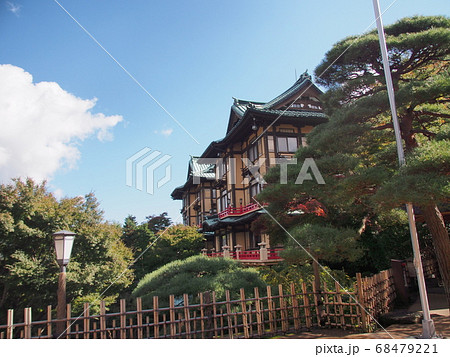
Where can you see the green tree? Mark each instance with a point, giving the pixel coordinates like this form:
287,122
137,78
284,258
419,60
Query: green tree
29,214
197,274
360,128
158,223
152,250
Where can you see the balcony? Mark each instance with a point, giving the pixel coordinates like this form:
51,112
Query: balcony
239,211
261,256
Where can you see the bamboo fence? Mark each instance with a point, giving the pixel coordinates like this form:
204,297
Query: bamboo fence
261,313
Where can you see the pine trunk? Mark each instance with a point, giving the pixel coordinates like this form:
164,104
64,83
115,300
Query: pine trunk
441,242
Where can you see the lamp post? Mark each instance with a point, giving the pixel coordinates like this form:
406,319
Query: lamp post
63,247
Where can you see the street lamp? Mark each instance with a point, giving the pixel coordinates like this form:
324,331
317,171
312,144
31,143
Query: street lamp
63,247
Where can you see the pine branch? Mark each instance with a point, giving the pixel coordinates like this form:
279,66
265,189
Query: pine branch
382,127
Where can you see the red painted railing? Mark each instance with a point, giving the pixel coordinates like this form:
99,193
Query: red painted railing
238,211
215,255
273,253
254,254
250,255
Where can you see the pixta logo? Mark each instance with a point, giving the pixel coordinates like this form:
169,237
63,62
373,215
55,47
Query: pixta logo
230,165
142,167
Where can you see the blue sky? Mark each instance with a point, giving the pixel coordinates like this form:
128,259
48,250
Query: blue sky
192,56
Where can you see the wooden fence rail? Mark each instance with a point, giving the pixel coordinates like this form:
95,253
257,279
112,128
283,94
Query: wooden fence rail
275,311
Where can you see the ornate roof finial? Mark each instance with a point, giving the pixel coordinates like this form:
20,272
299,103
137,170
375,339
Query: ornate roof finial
305,76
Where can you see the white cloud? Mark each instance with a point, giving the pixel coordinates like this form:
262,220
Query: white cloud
58,193
14,8
41,125
167,132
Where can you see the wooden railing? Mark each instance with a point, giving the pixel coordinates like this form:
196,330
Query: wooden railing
238,211
262,255
261,313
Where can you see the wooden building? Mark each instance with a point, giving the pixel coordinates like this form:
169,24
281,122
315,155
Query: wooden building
221,183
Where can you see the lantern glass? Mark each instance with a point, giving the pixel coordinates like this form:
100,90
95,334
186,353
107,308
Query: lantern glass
63,246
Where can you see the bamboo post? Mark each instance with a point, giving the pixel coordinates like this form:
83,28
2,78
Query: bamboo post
202,315
155,317
235,325
270,307
306,306
341,306
27,323
317,306
259,317
164,325
147,326
94,329
295,309
10,323
209,313
283,308
187,317
222,333
180,326
386,291
77,330
361,302
194,324
68,320
326,302
86,321
140,331
172,316
229,320
102,320
49,321
123,319
244,314
215,314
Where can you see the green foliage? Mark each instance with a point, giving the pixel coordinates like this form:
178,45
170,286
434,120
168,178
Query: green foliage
423,179
29,214
322,242
158,223
153,250
285,273
194,275
355,150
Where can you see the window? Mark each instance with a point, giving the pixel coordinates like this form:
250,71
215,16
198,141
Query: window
287,144
255,151
270,143
286,130
255,189
224,200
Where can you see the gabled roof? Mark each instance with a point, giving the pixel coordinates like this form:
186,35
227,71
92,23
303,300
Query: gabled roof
195,169
303,84
298,105
201,170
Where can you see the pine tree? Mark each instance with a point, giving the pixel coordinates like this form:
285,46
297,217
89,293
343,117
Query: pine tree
360,125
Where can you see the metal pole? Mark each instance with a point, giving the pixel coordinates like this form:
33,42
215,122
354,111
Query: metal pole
61,307
428,330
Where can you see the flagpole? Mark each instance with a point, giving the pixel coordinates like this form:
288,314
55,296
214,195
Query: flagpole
428,330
